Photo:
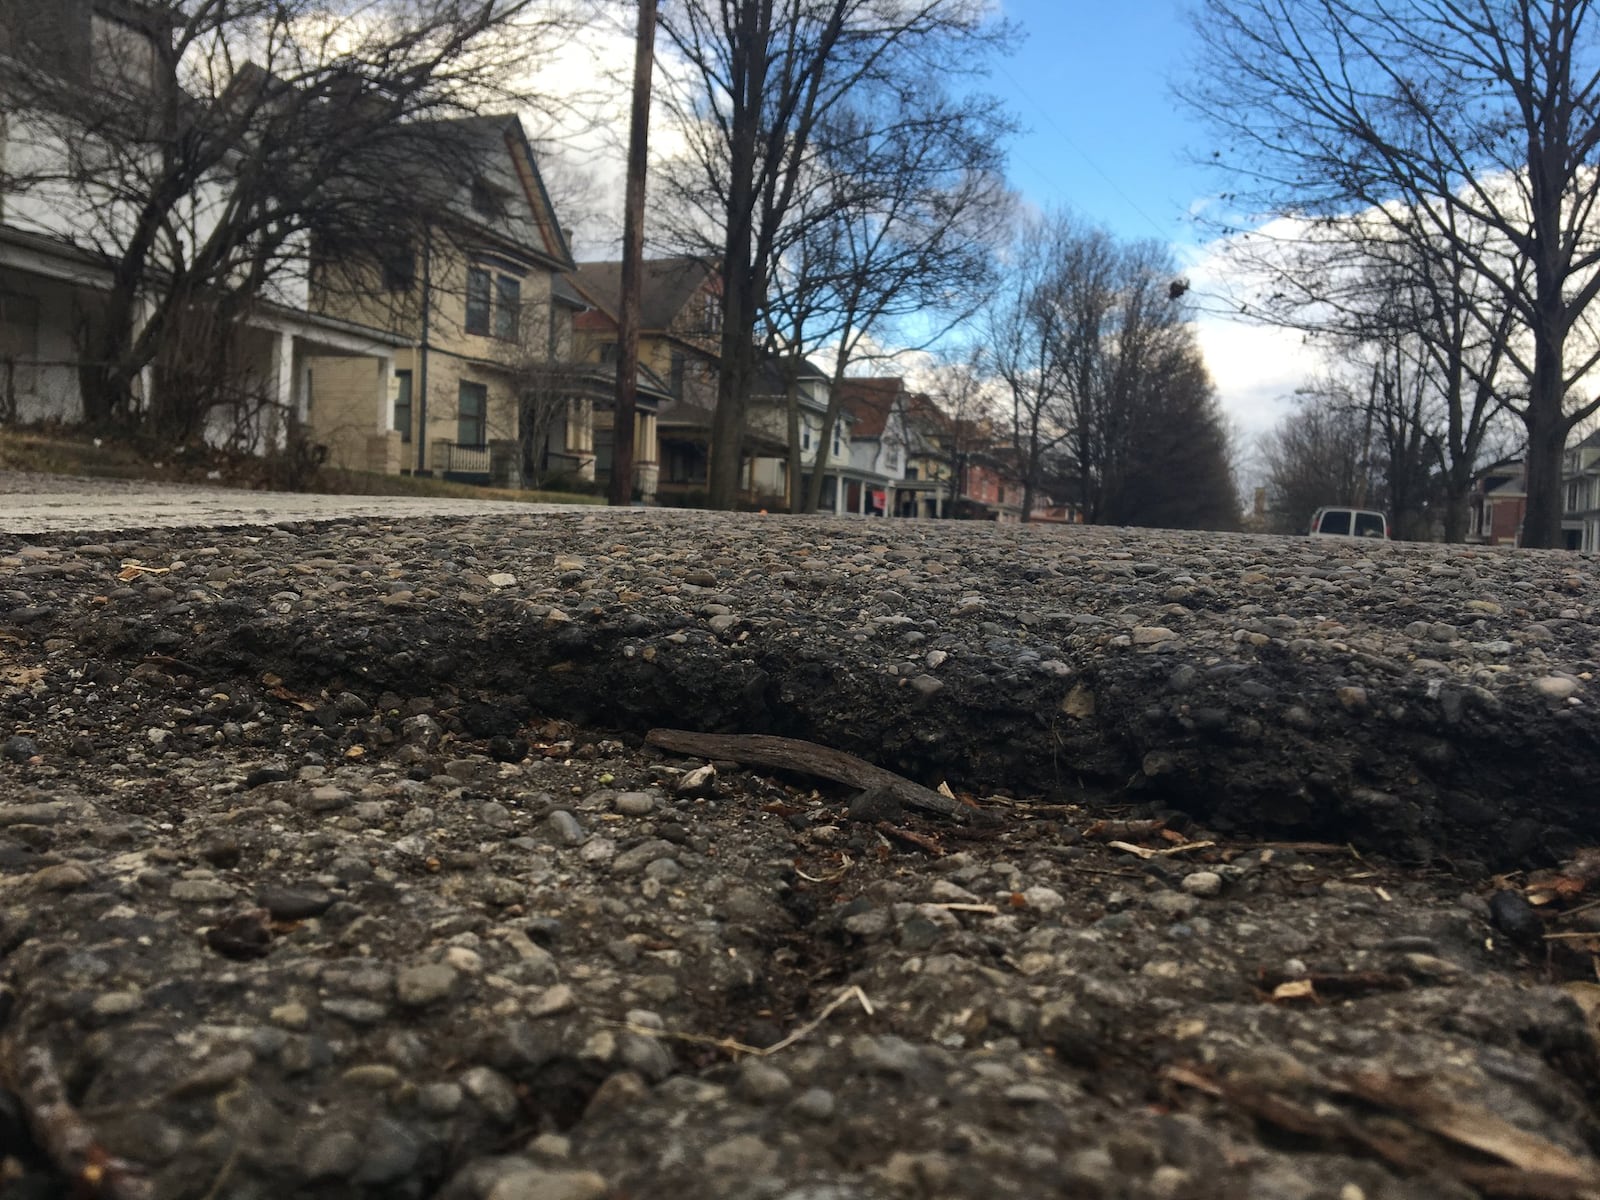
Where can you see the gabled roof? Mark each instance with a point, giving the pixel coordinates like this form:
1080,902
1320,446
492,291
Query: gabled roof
497,149
871,402
668,287
769,380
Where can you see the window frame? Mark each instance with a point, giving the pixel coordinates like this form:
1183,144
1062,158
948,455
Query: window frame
507,316
479,307
403,401
480,394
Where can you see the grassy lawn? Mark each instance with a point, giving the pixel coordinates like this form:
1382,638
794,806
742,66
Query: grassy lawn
53,451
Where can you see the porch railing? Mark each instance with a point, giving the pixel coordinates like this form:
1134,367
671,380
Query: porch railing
460,459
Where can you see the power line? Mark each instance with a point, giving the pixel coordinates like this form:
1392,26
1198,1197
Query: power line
1087,158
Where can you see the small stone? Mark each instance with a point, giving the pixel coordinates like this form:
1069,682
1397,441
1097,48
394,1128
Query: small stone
1555,687
290,1016
118,1004
392,1152
1203,883
19,748
699,782
326,798
1150,635
332,1156
745,1155
1513,916
427,984
634,804
814,1104
556,999
62,877
357,1012
563,828
664,870
762,1082
618,1093
874,805
376,1077
1354,699
888,1055
1044,899
293,902
214,1075
493,1091
201,891
440,1099
502,579
536,1184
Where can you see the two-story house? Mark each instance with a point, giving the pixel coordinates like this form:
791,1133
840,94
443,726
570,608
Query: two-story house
879,443
1580,494
486,389
680,326
1497,503
766,474
81,132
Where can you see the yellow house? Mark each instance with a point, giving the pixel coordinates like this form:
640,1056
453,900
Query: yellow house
680,329
487,390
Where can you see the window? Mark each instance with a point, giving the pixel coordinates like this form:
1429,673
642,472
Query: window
477,300
805,436
608,352
1369,525
838,441
122,58
508,307
472,409
399,265
402,404
711,315
678,364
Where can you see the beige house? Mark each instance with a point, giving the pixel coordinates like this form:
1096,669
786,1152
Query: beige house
485,390
680,328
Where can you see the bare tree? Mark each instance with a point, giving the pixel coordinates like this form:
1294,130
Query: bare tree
203,151
1030,343
1320,454
916,199
758,78
1476,122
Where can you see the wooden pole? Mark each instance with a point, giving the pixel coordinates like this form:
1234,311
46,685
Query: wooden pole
622,421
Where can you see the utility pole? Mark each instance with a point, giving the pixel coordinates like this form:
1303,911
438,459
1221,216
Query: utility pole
622,421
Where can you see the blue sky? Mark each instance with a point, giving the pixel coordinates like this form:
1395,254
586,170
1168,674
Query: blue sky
1094,87
1092,84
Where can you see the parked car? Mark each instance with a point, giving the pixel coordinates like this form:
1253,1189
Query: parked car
1349,522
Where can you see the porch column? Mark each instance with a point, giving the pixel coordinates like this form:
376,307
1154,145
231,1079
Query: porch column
288,404
385,405
288,414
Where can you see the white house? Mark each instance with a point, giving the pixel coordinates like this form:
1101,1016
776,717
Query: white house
63,229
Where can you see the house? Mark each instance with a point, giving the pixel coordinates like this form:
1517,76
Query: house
1497,503
928,487
680,327
84,81
879,443
767,436
1580,494
489,387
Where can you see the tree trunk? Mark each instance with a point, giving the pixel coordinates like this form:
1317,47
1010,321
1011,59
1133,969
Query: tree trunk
791,400
1541,523
740,291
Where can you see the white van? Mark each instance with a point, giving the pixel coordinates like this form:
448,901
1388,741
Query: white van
1349,522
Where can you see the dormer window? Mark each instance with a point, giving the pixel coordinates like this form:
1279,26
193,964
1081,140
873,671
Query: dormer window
483,201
